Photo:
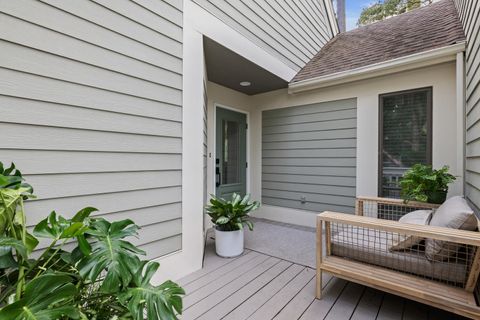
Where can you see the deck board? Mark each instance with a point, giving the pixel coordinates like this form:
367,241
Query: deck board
246,309
211,263
320,308
218,282
300,303
273,306
259,286
368,305
391,308
414,311
227,290
346,303
233,301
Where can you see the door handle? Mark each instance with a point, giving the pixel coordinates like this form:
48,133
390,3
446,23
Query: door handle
218,177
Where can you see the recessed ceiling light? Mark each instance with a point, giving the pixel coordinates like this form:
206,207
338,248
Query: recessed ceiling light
245,83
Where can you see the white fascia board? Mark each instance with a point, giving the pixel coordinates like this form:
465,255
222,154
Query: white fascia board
414,61
332,18
212,27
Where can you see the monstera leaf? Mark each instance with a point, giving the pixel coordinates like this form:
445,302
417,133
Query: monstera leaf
46,297
156,302
12,214
12,178
6,255
111,253
57,227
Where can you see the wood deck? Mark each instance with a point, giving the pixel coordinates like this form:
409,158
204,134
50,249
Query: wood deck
259,286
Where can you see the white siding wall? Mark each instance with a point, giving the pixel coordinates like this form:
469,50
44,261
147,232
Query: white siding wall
91,105
469,12
292,31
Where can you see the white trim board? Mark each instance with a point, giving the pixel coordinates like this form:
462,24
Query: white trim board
190,257
332,18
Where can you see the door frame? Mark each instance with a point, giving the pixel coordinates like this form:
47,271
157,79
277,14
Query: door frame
214,151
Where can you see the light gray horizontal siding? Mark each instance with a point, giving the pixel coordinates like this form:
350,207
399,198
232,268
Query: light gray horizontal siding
469,13
292,31
91,104
310,151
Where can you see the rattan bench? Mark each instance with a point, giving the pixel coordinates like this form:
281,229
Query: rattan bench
358,248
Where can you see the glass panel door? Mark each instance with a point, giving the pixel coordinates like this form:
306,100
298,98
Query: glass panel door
231,159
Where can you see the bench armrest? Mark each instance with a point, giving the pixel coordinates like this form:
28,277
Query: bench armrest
389,209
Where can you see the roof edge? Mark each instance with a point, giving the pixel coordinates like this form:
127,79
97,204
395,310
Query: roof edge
413,61
332,18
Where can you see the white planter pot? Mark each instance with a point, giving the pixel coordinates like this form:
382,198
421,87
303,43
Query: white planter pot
229,244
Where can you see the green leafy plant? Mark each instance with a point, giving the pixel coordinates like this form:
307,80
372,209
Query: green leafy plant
231,215
103,276
423,183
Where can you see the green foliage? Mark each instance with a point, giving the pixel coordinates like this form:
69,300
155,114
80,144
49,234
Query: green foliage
11,178
111,253
420,181
381,10
101,278
153,301
45,297
231,215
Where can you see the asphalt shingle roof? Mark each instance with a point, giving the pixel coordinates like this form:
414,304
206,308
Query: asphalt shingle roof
430,27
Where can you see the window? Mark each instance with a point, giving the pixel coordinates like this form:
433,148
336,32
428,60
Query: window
405,136
231,145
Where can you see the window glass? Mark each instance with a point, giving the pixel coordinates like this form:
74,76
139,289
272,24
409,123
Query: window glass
405,136
230,151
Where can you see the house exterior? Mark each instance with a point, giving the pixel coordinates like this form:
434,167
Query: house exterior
121,105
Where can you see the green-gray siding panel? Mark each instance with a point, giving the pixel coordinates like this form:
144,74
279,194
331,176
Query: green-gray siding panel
292,31
469,12
315,144
311,164
91,98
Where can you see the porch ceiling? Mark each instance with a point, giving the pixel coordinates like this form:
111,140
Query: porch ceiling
228,69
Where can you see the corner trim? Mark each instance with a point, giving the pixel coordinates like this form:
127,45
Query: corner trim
414,61
332,18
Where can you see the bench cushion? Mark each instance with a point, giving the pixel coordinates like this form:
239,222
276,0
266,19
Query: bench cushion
374,247
454,213
420,217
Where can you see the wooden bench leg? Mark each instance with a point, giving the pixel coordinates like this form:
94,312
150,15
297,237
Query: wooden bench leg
319,284
319,260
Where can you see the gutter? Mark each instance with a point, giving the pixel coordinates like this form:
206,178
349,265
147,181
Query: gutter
414,61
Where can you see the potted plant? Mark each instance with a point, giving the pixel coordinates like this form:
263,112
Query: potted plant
423,183
229,217
102,278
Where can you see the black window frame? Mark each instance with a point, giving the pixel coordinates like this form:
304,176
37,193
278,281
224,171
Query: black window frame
381,97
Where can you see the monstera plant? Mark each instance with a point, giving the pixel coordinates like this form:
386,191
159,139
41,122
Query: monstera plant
88,271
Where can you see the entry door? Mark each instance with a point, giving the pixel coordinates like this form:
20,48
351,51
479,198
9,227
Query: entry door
231,153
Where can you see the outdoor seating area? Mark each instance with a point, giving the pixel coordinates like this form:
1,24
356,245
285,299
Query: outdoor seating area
253,159
380,248
257,285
